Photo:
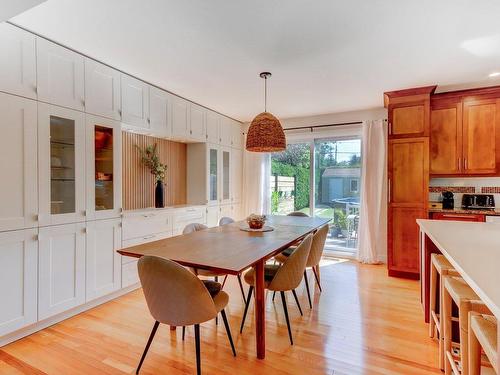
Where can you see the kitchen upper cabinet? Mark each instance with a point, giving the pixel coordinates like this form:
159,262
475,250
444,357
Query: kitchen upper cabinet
17,61
103,168
61,165
180,118
103,266
213,124
226,176
60,74
135,102
237,135
446,139
61,267
18,165
226,132
18,279
237,175
197,120
102,90
160,108
481,135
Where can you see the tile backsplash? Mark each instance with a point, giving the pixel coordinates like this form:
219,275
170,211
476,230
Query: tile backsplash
459,186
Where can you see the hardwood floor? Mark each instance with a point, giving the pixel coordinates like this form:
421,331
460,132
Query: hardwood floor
362,323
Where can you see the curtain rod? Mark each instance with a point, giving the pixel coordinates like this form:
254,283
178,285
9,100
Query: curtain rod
324,126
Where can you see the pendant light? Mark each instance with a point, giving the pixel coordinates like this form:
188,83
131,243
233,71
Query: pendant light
265,133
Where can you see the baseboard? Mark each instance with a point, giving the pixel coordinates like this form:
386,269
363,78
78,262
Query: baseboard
35,327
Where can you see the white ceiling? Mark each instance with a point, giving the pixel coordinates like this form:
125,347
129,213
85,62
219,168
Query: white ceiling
11,8
325,55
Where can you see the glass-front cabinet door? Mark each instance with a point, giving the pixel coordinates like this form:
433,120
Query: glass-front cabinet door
213,175
61,155
103,168
226,175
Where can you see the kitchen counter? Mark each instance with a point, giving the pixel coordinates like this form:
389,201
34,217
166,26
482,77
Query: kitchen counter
458,210
474,251
163,209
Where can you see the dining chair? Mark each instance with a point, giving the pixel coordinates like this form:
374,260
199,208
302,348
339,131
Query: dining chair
317,247
178,298
282,278
298,213
225,220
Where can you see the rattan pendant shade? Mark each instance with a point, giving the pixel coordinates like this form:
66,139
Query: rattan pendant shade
265,133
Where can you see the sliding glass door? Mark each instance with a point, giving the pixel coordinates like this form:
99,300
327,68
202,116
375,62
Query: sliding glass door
321,177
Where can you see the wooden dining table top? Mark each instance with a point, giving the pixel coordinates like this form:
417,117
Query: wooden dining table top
227,248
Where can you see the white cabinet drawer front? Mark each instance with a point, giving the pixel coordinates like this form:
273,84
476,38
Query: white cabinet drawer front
181,219
103,264
145,225
102,90
145,239
60,74
18,190
18,280
17,61
61,284
130,275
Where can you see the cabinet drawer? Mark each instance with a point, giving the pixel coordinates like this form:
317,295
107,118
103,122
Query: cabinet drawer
141,240
145,225
181,219
457,217
130,275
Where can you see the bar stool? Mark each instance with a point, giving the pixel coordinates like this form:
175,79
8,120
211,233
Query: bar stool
456,290
482,335
440,267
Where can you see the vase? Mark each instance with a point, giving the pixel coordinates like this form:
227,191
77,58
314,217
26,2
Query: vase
159,203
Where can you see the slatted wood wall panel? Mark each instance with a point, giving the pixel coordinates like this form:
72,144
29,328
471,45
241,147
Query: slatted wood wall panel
138,182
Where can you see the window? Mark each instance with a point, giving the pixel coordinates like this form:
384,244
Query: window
354,186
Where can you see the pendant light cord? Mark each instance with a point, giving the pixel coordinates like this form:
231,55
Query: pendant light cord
265,94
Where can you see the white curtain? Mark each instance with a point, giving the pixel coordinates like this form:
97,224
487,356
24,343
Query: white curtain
256,183
373,212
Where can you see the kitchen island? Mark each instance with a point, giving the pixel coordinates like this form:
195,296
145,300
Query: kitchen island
474,251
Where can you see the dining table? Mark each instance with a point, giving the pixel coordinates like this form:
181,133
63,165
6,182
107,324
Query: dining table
229,249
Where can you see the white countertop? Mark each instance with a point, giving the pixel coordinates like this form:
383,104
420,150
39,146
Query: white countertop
474,250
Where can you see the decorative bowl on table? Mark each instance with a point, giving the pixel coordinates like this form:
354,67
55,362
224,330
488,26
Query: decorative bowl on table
256,221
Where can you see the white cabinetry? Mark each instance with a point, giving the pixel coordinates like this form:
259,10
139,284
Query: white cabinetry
102,90
237,135
61,278
18,164
103,266
18,279
61,165
225,175
104,170
180,118
213,124
185,216
197,121
160,107
237,174
17,61
226,132
60,74
135,102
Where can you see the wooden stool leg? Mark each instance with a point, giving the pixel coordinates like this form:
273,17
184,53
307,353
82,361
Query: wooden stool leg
432,294
474,351
446,319
441,324
463,317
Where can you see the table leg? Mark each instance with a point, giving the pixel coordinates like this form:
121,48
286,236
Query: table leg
260,308
172,328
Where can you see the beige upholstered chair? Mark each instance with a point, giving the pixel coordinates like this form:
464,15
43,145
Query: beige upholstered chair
178,298
225,220
482,335
282,278
317,247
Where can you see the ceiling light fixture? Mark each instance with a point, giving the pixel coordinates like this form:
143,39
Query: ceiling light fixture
265,133
495,74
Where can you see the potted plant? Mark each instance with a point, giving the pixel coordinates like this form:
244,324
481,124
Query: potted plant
150,158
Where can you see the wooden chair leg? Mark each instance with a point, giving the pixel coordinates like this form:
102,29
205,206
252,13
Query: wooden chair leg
474,351
249,297
432,304
228,331
317,278
447,329
183,332
307,288
241,288
297,301
283,301
224,282
150,340
274,295
198,351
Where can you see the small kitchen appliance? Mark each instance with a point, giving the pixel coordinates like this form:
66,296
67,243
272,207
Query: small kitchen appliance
448,200
478,201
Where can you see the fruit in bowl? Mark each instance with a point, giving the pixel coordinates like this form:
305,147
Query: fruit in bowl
256,221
